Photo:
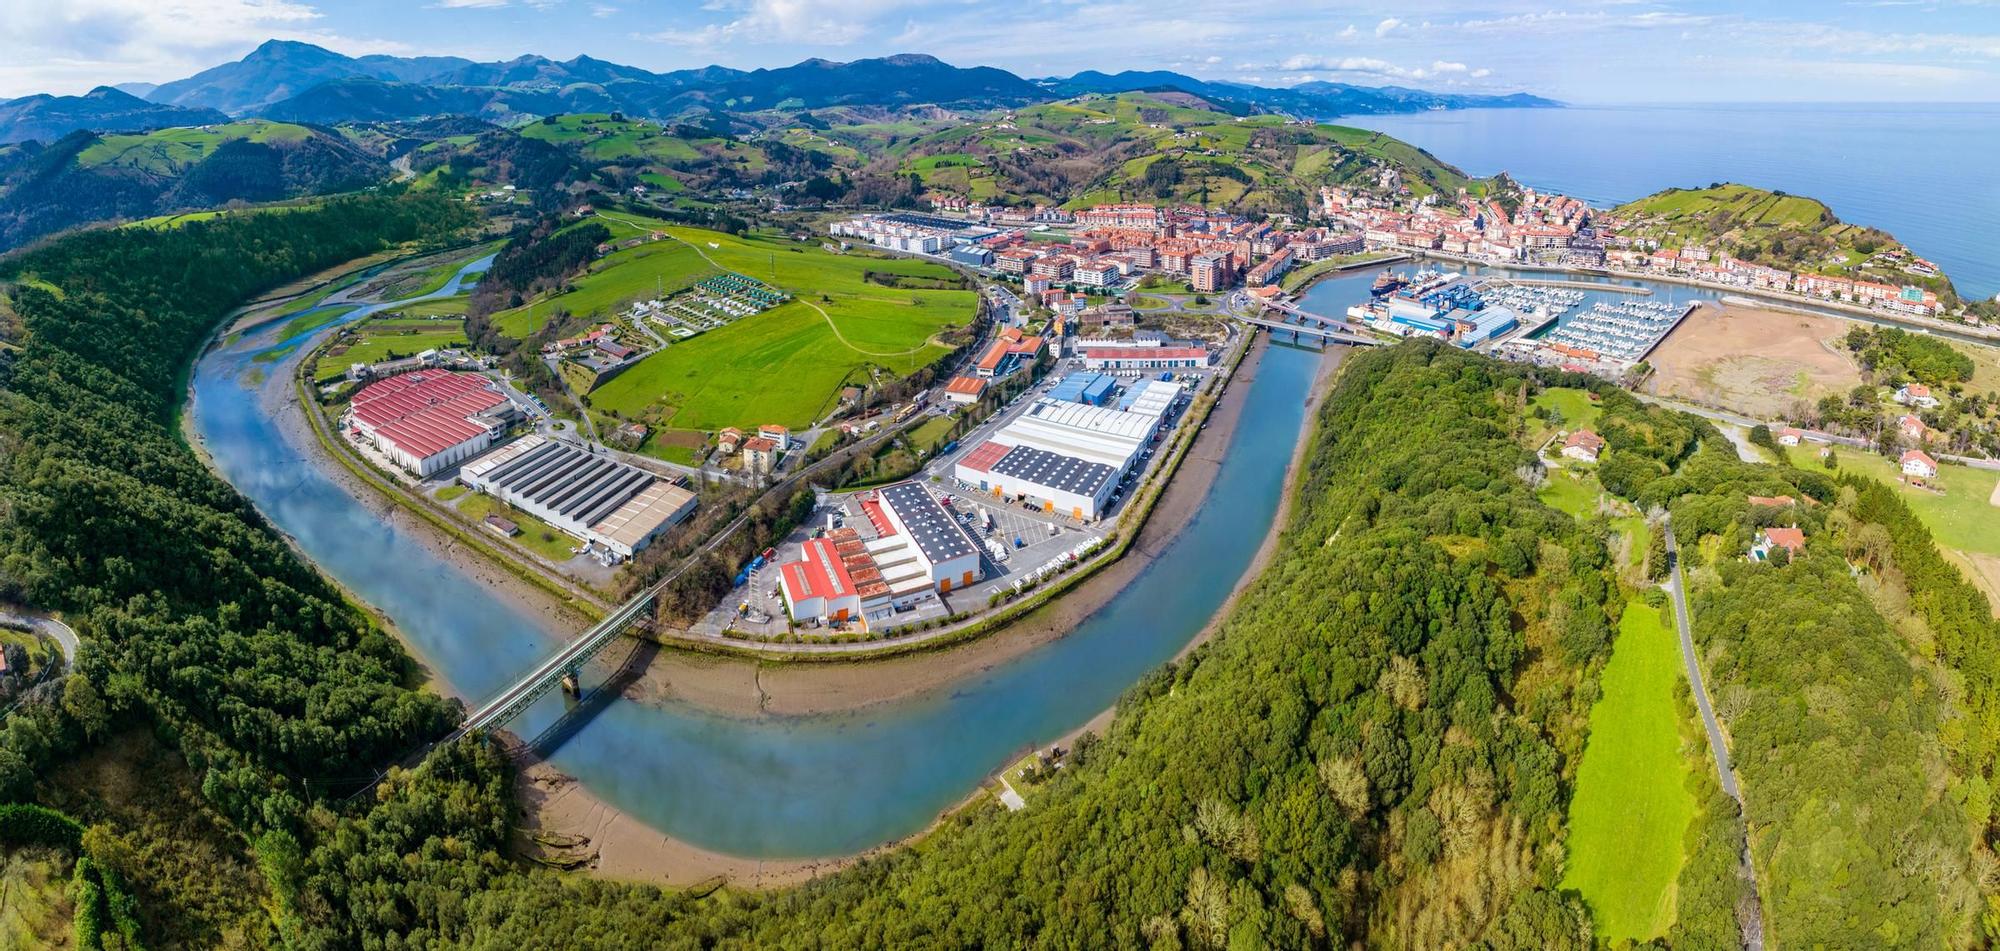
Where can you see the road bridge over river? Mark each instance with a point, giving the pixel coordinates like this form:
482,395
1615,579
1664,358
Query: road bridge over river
1304,323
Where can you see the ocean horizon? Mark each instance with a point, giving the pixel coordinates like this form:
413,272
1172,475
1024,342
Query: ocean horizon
1920,171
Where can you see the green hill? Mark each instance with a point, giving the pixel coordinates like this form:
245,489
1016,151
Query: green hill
1775,229
672,158
84,177
1160,147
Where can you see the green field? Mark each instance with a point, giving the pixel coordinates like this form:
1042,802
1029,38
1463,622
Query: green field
787,364
931,433
373,345
1632,804
168,150
1573,491
619,278
1962,517
536,535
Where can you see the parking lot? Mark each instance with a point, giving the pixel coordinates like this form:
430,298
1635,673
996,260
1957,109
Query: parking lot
1017,541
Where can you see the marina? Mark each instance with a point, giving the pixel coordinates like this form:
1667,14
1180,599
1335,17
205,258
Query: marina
1623,331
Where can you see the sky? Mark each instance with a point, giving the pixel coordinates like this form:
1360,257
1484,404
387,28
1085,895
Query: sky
1583,51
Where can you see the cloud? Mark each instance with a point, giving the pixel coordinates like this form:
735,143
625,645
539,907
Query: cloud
471,4
1387,27
603,10
1367,65
813,22
73,45
1349,32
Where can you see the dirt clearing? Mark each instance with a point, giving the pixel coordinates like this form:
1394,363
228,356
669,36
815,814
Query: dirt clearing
1754,361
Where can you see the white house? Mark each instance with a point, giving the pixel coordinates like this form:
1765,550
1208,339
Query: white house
1918,464
1916,394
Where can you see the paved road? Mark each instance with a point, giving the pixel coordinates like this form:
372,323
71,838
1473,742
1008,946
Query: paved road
1753,924
1811,434
62,634
1676,587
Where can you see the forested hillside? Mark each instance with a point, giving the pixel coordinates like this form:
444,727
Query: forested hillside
1378,747
85,177
1159,147
1857,683
199,622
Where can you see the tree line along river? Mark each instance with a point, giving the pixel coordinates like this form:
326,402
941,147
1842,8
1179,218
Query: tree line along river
767,786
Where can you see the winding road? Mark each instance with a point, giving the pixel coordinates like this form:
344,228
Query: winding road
1725,770
62,634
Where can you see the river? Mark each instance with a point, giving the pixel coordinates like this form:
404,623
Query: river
767,787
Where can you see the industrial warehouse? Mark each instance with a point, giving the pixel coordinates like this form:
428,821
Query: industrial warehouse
919,551
1071,455
615,508
430,419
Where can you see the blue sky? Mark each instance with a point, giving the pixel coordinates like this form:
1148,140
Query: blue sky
1596,51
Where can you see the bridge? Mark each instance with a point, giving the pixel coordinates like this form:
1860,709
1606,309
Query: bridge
564,664
1327,329
1307,330
567,662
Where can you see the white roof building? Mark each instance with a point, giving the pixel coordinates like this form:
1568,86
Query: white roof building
1092,433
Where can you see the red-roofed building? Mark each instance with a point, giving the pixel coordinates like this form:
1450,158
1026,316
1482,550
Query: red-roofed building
818,586
430,419
1583,445
1919,465
964,389
984,457
760,454
1145,358
1912,428
1792,540
1008,353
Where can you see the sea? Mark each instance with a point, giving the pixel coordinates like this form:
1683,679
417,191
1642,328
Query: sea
1927,173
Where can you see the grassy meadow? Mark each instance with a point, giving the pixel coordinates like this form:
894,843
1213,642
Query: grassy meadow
1632,805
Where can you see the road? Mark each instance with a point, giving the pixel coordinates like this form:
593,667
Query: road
1753,924
1814,435
62,634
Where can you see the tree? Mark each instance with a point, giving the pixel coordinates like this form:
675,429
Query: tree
83,704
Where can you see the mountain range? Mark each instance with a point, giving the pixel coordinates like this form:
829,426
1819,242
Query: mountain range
300,82
47,118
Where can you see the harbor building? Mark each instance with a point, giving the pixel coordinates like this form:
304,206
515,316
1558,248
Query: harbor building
614,508
430,419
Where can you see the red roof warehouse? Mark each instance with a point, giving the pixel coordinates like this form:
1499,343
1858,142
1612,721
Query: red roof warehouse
428,420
